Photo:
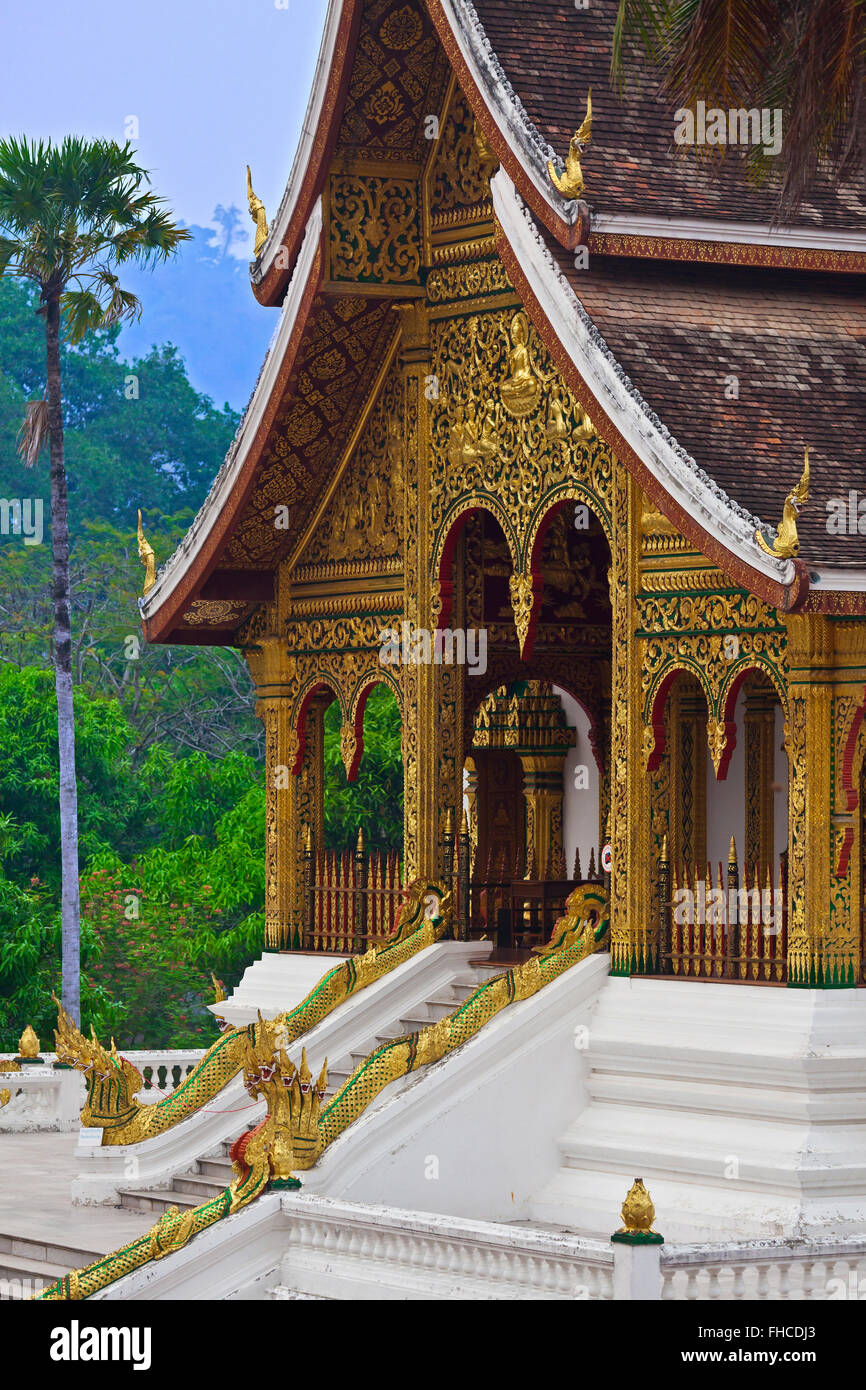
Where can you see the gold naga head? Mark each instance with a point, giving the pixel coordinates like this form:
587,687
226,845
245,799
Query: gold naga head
786,543
147,557
258,215
570,183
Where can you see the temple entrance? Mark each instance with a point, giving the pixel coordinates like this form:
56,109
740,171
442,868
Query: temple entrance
497,815
537,732
518,781
722,862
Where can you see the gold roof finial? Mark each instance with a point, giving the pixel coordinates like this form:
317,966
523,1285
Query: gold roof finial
147,557
786,543
258,214
570,183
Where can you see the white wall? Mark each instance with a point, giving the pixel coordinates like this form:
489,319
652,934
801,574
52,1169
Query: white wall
580,805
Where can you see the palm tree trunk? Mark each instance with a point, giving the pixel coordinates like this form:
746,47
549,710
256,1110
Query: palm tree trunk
70,900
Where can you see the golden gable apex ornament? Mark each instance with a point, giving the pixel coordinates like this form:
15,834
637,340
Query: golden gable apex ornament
786,543
570,183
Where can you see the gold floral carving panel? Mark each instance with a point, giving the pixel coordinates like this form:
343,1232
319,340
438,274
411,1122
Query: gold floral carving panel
506,431
375,233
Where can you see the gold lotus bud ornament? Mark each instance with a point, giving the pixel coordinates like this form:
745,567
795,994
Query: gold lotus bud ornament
638,1214
28,1046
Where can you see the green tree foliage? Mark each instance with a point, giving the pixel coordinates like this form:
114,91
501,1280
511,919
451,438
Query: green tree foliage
137,434
174,883
374,802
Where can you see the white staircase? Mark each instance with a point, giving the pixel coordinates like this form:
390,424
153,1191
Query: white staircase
28,1266
171,1168
743,1108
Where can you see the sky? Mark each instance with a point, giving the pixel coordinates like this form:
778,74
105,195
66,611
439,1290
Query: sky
214,85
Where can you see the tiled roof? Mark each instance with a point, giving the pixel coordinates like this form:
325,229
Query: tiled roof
553,52
792,346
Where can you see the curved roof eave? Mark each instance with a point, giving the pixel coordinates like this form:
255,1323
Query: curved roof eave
199,551
518,144
706,516
270,273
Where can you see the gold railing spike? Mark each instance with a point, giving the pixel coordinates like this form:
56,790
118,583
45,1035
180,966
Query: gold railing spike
732,852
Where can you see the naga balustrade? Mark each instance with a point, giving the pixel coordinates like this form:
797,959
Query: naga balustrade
351,898
735,928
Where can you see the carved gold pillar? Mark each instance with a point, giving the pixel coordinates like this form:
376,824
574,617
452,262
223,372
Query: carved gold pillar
814,958
273,673
691,737
542,789
631,946
759,730
470,792
433,694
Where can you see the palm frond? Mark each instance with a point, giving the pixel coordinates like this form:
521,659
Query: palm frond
66,210
33,434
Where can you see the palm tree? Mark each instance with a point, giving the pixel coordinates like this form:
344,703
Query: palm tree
70,215
806,58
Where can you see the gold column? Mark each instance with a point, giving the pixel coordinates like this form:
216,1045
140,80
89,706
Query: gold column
432,739
813,958
470,770
692,739
272,670
542,789
631,949
759,727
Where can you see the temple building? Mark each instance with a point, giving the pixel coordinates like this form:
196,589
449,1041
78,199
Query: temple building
560,437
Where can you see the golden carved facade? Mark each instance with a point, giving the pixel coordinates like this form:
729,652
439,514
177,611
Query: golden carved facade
465,463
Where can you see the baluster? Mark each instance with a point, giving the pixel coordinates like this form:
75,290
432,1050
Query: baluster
590,873
308,871
448,855
676,928
697,925
361,928
732,913
719,927
769,952
329,900
665,948
755,925
780,919
576,875
463,852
